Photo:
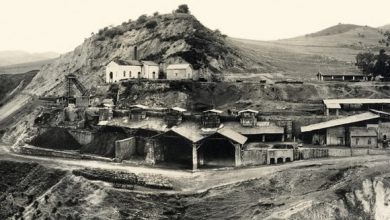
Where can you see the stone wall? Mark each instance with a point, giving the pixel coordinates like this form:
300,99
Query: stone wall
308,153
82,136
125,148
254,157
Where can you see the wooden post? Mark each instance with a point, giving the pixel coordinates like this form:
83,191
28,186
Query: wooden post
337,112
326,111
201,156
237,155
263,138
194,157
150,156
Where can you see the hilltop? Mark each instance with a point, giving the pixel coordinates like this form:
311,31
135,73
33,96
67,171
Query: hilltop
162,38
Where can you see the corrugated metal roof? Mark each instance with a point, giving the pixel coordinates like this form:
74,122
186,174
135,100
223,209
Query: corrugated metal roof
261,128
150,123
192,135
128,62
333,106
363,132
178,66
139,106
331,102
248,110
232,135
179,109
214,110
340,121
149,63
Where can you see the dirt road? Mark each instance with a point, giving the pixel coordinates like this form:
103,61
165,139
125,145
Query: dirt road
201,180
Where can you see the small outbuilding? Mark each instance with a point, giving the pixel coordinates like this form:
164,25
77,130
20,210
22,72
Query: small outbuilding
179,71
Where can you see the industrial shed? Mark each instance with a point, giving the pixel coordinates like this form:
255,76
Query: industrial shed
337,132
186,147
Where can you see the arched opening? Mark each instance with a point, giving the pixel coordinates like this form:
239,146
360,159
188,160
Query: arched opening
111,75
288,159
272,161
280,160
139,75
154,75
124,73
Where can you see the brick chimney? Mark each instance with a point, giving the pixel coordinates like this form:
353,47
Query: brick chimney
135,57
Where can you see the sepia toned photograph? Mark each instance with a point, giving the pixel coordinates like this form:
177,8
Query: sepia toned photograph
194,109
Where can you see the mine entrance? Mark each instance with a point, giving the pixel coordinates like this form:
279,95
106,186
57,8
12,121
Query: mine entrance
217,151
280,160
272,161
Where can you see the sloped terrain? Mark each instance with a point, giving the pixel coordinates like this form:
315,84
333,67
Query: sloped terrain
11,84
343,189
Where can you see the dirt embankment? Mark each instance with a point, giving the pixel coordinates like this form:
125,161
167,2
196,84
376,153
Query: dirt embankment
289,98
318,191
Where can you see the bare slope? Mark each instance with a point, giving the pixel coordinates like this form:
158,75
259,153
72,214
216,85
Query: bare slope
332,49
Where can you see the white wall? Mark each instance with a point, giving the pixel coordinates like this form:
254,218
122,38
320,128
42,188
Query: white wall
176,74
121,72
148,71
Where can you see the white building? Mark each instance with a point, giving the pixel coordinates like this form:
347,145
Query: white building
150,69
179,71
118,70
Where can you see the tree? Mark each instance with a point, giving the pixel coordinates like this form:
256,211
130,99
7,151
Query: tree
364,61
183,9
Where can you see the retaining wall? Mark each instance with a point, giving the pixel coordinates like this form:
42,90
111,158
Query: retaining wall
32,150
254,157
308,153
81,136
125,148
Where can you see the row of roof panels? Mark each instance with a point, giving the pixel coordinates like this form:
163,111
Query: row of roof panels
335,103
340,121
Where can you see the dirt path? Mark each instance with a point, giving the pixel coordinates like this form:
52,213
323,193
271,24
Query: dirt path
187,181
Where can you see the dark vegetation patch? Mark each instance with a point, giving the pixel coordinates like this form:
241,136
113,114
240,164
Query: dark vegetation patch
56,138
9,82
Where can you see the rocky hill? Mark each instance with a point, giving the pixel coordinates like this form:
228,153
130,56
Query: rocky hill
162,38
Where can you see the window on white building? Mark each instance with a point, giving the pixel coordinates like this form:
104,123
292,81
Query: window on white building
124,73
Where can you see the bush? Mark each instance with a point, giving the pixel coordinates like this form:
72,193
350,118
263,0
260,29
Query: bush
142,19
151,24
183,9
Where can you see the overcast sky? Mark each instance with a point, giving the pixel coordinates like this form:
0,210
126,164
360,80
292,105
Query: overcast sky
61,25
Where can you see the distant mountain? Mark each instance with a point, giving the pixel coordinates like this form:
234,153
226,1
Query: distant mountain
16,57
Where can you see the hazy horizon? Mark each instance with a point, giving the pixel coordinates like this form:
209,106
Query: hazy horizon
61,25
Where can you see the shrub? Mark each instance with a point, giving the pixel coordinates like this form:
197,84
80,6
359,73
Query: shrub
142,19
183,9
151,24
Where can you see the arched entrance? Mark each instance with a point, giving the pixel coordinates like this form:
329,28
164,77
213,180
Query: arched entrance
111,76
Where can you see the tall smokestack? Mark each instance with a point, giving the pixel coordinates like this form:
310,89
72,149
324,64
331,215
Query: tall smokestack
135,53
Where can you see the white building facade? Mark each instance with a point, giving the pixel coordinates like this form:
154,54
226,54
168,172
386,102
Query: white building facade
179,71
118,70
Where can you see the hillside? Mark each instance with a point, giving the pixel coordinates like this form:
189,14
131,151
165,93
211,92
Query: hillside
164,38
332,49
11,84
337,29
16,57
